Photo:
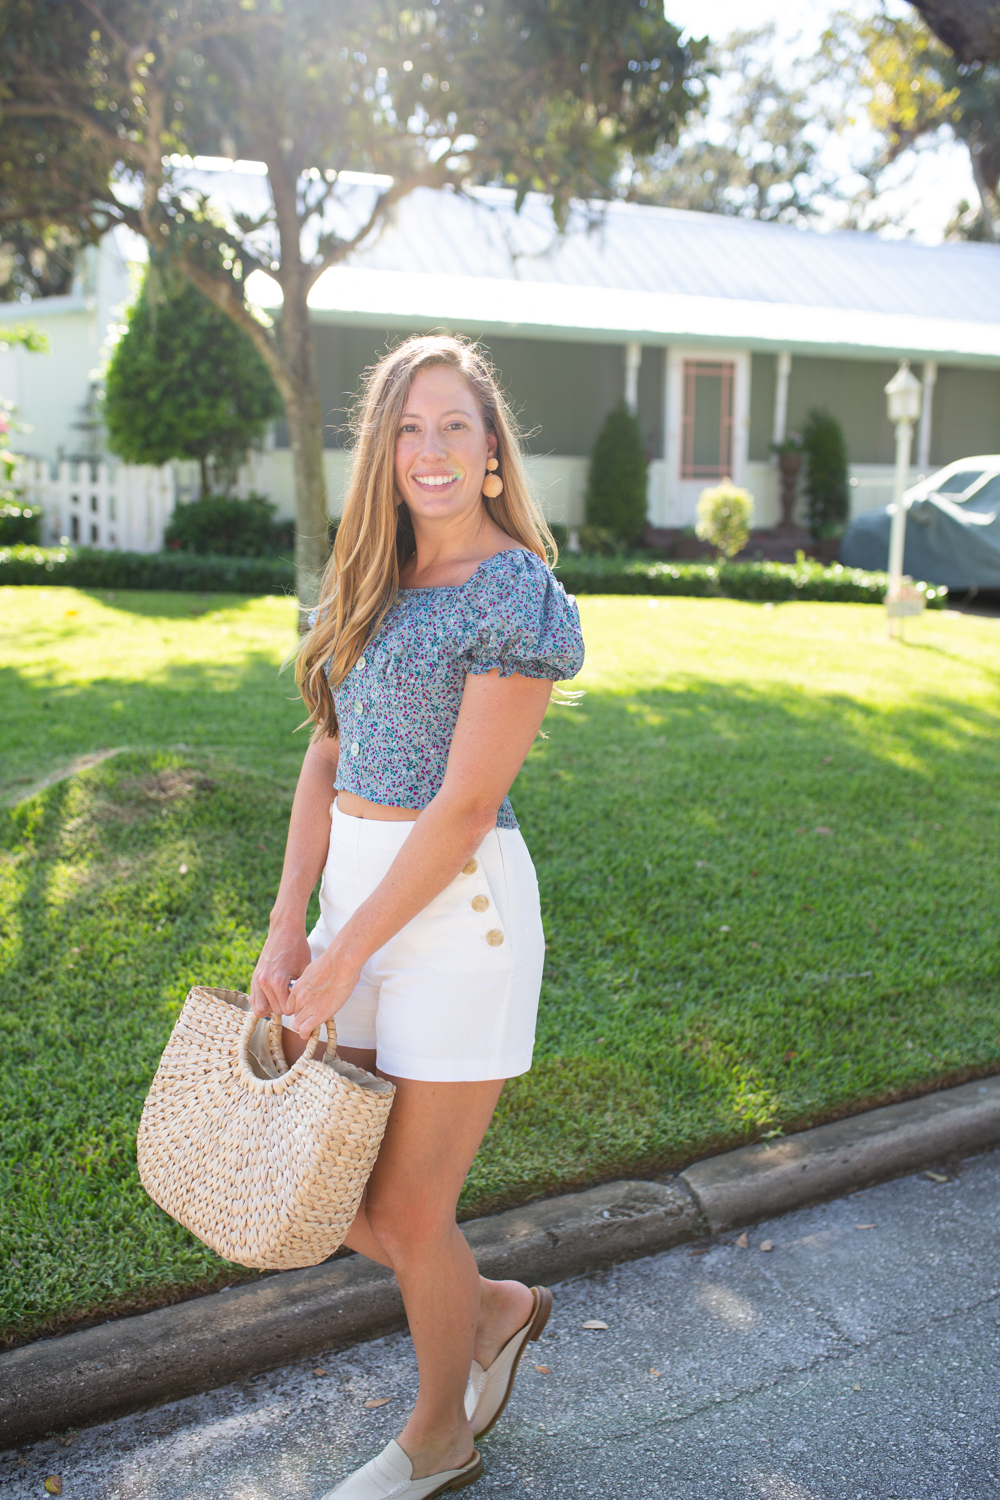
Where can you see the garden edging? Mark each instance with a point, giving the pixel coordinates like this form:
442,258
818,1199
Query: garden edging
193,1346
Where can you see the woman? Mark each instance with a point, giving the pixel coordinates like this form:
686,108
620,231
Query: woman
427,672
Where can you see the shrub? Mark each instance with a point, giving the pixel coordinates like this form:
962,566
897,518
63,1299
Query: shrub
616,483
189,572
20,523
185,382
827,492
764,581
598,539
228,527
89,568
724,514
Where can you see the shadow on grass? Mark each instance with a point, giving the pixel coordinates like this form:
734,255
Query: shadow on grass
168,604
246,709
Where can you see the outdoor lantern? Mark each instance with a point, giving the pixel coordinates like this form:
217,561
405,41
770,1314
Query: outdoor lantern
903,394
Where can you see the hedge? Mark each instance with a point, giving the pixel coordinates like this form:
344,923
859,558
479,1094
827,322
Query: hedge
190,572
769,581
86,567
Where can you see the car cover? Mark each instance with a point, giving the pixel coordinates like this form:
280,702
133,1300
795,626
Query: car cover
946,542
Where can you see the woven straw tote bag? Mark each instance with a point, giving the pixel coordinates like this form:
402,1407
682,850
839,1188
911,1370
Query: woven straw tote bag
267,1170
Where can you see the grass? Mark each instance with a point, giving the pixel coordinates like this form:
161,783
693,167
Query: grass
720,968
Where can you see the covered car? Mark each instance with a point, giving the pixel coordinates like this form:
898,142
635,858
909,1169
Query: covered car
952,528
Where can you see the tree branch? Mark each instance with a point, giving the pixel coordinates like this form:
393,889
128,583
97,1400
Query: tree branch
24,109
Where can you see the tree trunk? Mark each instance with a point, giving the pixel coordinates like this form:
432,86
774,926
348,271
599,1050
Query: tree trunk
986,197
971,28
312,545
203,471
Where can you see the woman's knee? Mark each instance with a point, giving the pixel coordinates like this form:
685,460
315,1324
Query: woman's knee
403,1224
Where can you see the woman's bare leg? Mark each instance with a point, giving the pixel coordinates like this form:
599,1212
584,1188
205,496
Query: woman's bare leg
433,1134
504,1306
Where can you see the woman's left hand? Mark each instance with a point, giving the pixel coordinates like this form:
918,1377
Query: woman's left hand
322,988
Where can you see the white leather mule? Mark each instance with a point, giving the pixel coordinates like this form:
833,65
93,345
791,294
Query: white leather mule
390,1475
489,1390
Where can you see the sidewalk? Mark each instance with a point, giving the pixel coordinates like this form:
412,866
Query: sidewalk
848,1363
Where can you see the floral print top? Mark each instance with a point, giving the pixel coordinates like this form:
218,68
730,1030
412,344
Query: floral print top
398,707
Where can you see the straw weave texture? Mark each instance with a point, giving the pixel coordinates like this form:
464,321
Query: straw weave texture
268,1172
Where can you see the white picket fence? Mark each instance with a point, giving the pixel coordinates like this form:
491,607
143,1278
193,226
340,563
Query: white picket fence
114,505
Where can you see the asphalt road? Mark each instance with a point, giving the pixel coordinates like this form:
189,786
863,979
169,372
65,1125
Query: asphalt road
859,1359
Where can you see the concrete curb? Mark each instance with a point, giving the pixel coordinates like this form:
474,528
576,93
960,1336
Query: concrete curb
194,1346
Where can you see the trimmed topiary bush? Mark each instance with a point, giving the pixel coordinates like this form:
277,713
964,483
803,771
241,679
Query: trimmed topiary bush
724,515
228,527
827,492
616,483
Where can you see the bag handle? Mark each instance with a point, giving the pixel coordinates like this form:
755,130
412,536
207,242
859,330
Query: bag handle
278,1051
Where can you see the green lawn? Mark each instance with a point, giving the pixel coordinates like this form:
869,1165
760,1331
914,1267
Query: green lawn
767,840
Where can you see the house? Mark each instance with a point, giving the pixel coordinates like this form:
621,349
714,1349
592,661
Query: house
721,333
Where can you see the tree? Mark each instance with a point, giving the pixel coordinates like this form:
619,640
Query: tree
912,89
185,382
616,481
540,95
969,28
36,262
766,165
827,475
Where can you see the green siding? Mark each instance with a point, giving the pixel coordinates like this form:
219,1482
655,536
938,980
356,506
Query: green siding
560,391
853,391
763,379
965,417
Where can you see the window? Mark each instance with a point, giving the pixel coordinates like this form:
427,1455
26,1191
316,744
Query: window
957,484
707,442
74,528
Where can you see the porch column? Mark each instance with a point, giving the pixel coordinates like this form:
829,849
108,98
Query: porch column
781,397
633,359
924,430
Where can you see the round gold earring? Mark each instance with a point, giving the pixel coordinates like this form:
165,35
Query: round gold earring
492,484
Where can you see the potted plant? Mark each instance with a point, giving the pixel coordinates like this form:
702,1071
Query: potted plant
789,455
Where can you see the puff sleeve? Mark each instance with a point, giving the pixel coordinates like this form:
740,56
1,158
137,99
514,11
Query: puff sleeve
519,618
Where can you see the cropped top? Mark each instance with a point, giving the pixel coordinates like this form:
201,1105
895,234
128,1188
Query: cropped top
398,706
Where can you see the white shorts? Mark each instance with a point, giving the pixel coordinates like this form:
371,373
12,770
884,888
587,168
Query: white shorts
454,995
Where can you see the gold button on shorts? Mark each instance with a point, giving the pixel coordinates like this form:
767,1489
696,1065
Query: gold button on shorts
471,867
494,937
480,903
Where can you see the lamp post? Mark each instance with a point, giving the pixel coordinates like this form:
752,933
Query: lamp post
903,395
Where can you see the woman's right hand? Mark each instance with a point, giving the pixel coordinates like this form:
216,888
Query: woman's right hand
284,957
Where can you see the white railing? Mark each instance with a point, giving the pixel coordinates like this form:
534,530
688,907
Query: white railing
115,505
122,506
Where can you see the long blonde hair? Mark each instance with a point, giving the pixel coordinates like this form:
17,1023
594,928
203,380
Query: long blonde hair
375,535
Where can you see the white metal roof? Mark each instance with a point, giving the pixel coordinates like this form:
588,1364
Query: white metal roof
660,275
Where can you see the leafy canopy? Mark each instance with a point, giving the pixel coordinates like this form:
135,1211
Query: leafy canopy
766,165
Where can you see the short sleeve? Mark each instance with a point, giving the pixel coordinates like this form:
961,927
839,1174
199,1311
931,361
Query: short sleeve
519,618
